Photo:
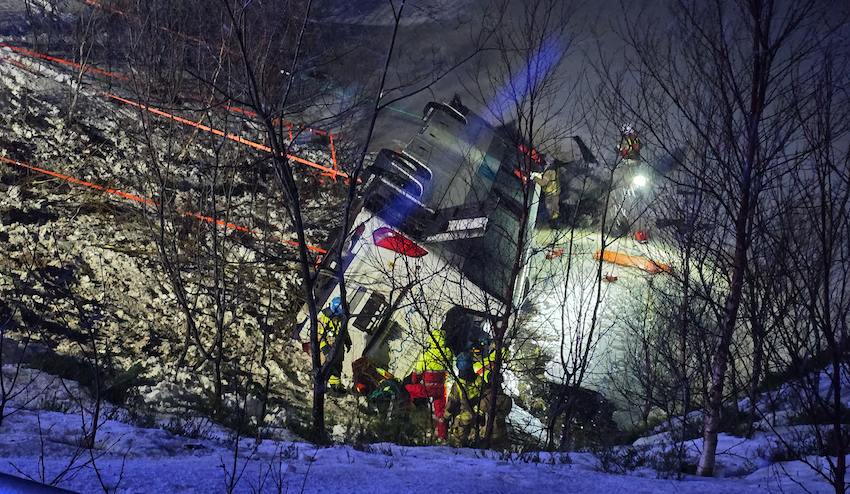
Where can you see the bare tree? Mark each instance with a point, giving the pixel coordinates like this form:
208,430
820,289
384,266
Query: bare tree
727,101
87,27
811,232
15,338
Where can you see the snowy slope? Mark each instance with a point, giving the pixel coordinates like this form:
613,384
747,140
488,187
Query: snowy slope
41,437
155,461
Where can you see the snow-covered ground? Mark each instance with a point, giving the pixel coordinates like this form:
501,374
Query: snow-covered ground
564,290
134,459
42,434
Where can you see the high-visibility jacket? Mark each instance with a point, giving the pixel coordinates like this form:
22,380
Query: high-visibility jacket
630,147
485,363
329,327
462,412
436,356
549,182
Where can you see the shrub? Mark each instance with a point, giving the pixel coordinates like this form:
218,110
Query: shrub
191,427
618,459
671,462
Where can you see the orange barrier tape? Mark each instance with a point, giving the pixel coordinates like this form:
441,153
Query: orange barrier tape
232,109
76,181
61,61
290,126
276,121
148,202
242,111
630,261
333,151
226,135
332,172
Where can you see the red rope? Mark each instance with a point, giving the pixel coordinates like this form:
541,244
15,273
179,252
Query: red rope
221,133
61,61
148,202
333,172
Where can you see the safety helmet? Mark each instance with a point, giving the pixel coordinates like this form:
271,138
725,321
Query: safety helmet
627,129
336,306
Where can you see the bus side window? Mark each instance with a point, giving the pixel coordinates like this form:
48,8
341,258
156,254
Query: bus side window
370,316
354,302
325,283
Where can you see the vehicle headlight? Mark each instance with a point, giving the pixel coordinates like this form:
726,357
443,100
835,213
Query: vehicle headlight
640,181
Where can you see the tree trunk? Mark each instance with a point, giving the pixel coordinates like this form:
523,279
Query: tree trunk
755,380
838,419
839,435
720,359
318,411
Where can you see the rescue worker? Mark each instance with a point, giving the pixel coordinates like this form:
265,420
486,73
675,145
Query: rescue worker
428,379
504,403
483,368
469,402
462,412
629,143
330,325
484,359
549,183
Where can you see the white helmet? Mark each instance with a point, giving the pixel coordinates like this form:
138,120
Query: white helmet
627,129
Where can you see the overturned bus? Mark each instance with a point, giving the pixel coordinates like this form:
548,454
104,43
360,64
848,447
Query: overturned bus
435,235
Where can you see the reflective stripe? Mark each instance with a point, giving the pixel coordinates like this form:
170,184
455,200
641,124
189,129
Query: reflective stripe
328,330
482,367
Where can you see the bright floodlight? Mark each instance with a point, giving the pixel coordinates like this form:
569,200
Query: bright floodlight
640,181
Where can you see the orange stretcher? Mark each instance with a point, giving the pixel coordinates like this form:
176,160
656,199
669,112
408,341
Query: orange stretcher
630,261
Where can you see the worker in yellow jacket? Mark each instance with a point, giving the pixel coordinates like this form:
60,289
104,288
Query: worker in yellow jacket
428,379
330,327
483,365
551,187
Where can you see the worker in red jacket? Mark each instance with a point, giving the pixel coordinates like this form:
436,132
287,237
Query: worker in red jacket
428,379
